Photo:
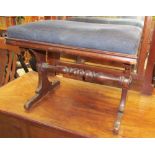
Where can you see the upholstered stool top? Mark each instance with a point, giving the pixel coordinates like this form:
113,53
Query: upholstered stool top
107,37
116,21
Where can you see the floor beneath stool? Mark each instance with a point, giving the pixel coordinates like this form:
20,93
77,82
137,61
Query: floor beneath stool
79,107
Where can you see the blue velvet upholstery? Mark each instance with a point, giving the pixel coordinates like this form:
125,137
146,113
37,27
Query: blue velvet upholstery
116,21
115,38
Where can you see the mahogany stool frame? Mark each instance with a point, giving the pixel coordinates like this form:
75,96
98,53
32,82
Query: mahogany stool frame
98,74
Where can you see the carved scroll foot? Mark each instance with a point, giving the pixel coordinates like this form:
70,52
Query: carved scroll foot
39,95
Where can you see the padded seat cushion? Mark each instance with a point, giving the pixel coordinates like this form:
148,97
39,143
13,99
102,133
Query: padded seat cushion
116,21
107,37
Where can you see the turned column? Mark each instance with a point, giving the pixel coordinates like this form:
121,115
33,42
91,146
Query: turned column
125,82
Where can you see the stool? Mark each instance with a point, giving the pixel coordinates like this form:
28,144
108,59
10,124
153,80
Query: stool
91,41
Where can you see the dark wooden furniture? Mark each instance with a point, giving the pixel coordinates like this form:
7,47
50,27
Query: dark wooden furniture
8,59
55,17
132,66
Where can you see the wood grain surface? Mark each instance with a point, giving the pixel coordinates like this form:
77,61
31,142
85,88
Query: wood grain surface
77,107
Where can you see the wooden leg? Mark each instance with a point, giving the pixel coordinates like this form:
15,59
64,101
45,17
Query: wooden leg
44,85
120,110
125,82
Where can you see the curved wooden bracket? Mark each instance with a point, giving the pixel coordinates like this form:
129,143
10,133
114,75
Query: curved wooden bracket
44,85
